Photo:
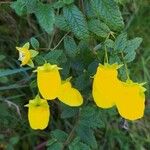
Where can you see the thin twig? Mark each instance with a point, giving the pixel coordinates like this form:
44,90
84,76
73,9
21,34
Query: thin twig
60,41
10,103
71,134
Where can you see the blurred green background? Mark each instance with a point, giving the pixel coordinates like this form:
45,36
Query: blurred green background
14,129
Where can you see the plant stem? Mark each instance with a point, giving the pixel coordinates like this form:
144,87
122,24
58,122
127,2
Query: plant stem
59,41
106,55
126,67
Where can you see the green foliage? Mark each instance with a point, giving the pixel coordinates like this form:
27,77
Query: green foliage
76,21
74,36
45,16
99,28
109,12
35,43
70,46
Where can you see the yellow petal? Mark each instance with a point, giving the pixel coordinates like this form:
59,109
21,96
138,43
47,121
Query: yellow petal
131,104
49,81
106,85
24,54
70,96
38,114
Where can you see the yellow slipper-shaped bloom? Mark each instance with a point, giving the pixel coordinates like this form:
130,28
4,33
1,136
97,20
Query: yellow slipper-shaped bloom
69,95
38,113
106,85
48,80
26,55
131,103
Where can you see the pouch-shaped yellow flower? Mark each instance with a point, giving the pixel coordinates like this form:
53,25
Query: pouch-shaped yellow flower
26,55
131,103
48,80
106,85
38,113
69,95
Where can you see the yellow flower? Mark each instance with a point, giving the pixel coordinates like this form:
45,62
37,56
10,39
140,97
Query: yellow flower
70,95
38,113
26,55
106,85
131,103
48,80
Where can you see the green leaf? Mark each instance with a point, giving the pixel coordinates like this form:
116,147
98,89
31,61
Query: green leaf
82,81
22,7
55,146
14,140
120,42
109,43
86,134
99,28
76,21
45,16
130,56
61,23
90,13
68,1
68,112
133,44
77,145
70,46
34,42
55,56
109,12
87,119
59,4
60,135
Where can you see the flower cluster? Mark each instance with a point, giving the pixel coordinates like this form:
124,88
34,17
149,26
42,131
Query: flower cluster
50,87
109,91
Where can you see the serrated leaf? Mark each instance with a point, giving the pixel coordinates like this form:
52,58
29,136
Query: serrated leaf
130,56
120,42
55,57
34,42
133,44
90,13
68,112
59,4
82,81
76,21
109,43
77,145
86,134
61,23
22,7
87,119
109,12
70,46
60,135
55,146
99,28
45,16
